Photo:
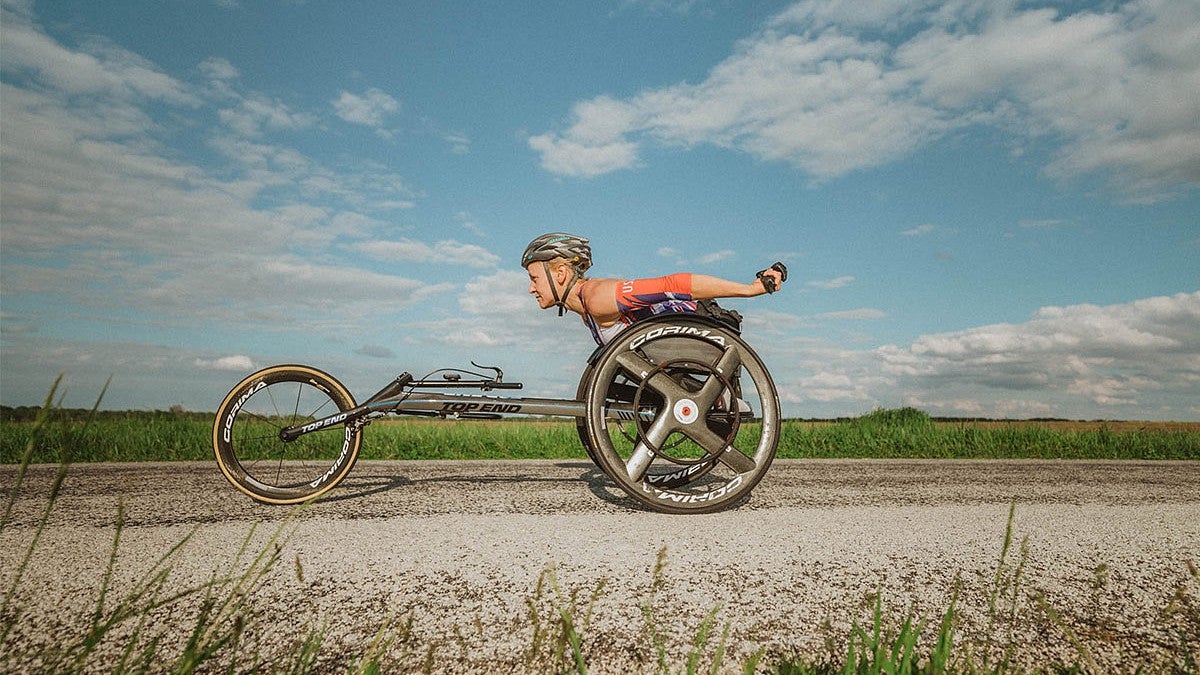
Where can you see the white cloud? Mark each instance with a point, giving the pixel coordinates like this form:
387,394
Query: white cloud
716,256
975,407
460,144
1140,359
570,157
98,68
863,314
368,110
1112,355
443,252
256,114
375,352
919,230
469,224
236,363
834,87
839,282
91,162
217,68
505,293
664,6
498,312
1042,224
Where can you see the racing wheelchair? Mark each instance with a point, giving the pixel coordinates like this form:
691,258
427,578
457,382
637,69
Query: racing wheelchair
677,410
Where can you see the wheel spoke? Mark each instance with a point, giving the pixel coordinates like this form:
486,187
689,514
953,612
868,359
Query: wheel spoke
639,462
729,362
655,436
735,459
727,454
659,382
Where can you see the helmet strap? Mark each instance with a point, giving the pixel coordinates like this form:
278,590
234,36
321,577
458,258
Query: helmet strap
560,302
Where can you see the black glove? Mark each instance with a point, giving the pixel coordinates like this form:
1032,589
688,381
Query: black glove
769,282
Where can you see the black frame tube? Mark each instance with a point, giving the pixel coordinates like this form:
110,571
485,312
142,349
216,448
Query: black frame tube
460,406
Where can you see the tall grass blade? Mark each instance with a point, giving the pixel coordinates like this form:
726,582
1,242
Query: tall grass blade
1081,648
657,639
34,433
55,489
701,640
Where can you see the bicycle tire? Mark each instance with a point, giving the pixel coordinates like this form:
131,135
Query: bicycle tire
581,427
697,456
254,458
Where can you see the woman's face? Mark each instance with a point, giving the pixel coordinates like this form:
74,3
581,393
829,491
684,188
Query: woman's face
539,283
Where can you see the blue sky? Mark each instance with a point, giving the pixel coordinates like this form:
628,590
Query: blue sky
988,208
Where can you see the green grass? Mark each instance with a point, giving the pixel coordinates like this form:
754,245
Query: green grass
889,434
910,434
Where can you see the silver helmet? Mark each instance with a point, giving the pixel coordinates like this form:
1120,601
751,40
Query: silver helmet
554,245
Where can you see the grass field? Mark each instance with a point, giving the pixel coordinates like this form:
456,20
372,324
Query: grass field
891,434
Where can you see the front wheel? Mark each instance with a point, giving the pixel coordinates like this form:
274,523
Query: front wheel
258,462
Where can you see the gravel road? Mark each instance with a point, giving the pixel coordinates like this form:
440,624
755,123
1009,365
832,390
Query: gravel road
458,548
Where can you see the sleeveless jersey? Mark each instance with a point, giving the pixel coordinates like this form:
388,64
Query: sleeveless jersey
639,299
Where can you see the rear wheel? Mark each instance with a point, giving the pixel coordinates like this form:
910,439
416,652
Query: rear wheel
258,462
682,415
581,426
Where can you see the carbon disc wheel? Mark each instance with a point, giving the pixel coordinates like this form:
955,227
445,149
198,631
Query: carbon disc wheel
682,415
258,462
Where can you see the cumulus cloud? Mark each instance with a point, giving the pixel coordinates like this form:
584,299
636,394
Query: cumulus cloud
81,158
217,68
460,144
256,114
369,110
98,68
375,352
571,157
236,363
1111,355
716,256
505,293
862,314
497,311
1077,362
446,251
919,230
830,284
834,87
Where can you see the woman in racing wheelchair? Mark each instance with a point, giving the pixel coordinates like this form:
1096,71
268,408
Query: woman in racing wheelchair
556,263
683,415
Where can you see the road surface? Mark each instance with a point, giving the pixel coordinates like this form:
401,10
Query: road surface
458,548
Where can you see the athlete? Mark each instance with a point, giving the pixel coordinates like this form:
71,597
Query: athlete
556,263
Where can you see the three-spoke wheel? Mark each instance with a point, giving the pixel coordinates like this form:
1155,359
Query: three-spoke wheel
254,457
681,414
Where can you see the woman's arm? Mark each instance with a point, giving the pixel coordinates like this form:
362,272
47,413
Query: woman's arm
705,287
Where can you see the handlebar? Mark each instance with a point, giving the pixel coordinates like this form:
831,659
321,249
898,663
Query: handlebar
484,384
450,380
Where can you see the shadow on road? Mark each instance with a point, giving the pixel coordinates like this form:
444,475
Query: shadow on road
373,480
360,484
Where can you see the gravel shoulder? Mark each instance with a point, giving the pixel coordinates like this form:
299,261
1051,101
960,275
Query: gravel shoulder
460,547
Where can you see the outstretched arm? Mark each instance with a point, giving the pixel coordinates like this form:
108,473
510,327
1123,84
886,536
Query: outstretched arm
705,287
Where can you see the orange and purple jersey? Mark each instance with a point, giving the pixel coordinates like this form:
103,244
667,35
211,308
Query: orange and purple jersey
639,299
